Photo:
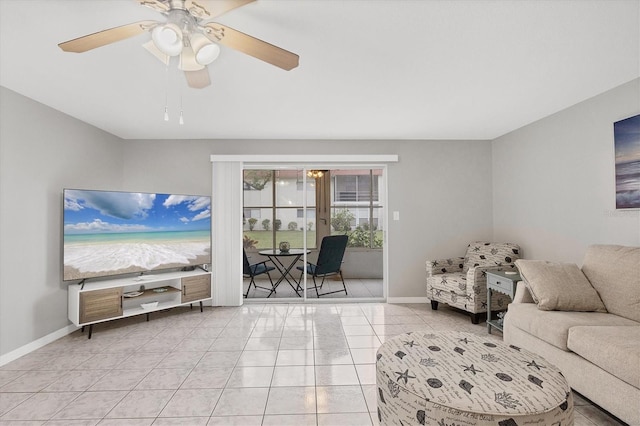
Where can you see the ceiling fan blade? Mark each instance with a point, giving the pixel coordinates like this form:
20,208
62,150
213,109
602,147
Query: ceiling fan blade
252,46
156,5
151,48
208,9
102,38
188,60
198,79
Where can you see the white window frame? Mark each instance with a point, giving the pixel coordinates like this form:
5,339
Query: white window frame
227,210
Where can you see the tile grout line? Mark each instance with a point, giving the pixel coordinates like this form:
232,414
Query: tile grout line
266,403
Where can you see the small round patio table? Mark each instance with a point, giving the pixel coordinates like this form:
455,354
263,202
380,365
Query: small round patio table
277,256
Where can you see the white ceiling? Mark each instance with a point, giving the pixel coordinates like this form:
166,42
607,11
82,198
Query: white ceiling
369,69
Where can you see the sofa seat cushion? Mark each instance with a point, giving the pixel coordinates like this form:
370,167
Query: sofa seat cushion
614,349
553,326
453,281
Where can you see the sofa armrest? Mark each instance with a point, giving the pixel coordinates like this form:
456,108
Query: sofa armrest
522,294
441,266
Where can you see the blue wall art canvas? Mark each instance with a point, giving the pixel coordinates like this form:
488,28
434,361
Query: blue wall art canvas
627,150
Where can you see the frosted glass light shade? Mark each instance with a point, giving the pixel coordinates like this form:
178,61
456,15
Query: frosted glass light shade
168,39
206,51
208,54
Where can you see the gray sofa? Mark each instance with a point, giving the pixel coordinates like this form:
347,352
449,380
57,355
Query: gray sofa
598,352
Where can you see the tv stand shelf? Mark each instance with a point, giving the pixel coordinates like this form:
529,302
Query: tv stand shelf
152,292
99,301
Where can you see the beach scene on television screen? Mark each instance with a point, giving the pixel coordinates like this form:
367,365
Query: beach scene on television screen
110,233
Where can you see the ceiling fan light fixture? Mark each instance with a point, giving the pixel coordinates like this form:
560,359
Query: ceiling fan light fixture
168,39
316,174
208,54
205,50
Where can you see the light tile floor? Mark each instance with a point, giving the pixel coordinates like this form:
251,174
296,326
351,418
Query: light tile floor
259,364
356,288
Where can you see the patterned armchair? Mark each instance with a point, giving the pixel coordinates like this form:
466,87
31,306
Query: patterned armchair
461,282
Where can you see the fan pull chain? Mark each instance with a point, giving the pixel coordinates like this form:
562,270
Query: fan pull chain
166,94
166,99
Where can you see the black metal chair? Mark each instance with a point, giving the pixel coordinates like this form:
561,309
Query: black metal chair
329,263
254,270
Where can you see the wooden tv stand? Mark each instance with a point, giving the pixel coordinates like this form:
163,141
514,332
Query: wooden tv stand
99,301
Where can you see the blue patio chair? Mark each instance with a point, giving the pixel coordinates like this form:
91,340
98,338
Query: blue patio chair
329,263
254,270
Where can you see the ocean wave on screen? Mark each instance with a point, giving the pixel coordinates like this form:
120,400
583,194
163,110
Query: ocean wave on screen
113,257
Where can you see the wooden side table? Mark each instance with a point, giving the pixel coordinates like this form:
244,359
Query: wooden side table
503,283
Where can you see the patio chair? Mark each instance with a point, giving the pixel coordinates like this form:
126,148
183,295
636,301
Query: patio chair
329,263
252,271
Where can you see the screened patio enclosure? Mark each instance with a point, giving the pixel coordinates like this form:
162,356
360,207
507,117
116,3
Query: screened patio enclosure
297,204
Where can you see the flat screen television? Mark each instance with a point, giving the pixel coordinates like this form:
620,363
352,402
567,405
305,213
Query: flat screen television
113,232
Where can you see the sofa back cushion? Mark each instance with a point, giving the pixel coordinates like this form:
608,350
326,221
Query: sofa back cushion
614,271
559,286
482,253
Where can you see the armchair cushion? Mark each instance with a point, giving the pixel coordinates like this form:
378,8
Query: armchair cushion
455,281
442,266
482,253
559,286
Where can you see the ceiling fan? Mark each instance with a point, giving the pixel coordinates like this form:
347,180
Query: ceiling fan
188,33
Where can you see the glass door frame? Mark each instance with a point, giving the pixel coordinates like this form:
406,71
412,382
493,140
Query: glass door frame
304,167
290,167
226,210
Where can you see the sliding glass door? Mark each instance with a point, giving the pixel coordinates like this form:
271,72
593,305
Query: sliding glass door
356,207
297,208
273,208
278,214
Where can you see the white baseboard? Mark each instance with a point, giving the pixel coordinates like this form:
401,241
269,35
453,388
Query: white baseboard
407,299
36,344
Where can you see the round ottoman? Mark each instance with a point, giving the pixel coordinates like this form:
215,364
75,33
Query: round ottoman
461,379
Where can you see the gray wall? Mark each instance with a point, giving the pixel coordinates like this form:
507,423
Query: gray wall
554,184
442,190
42,151
548,186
